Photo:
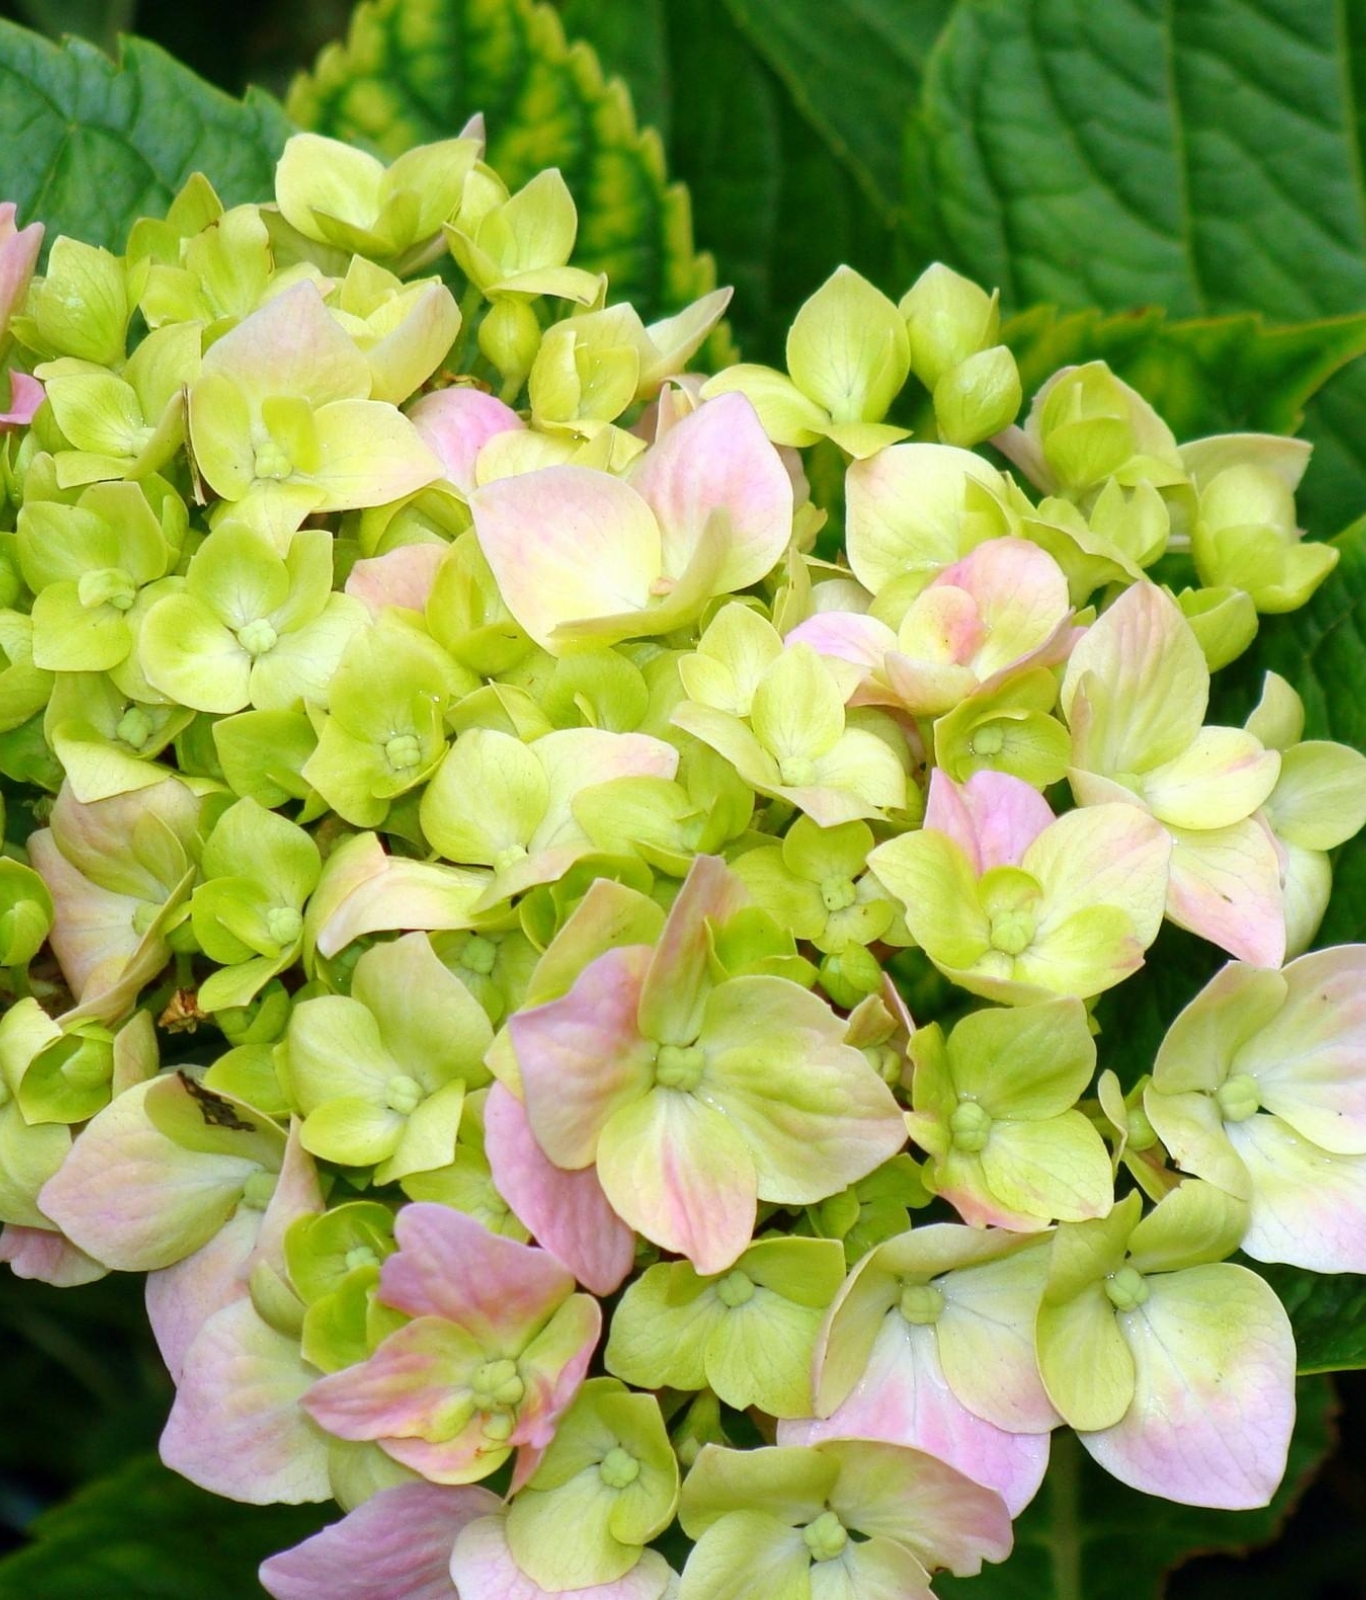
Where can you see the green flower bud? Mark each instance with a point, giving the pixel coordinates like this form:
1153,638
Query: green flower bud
680,1066
1238,1097
978,398
921,1304
510,336
948,319
825,1538
618,1469
1126,1289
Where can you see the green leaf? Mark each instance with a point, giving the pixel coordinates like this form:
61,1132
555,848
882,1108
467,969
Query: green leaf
1328,1315
415,70
1202,158
851,69
630,38
1088,1537
142,1533
91,145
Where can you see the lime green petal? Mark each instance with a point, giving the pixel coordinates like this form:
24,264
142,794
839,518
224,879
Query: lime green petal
1057,1169
659,1331
1030,1062
352,1132
759,1354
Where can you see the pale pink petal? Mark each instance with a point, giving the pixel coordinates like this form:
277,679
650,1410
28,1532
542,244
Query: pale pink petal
1214,1404
236,1427
19,249
1310,1059
483,1569
397,892
680,1173
456,424
1308,1207
1225,885
402,577
582,1057
566,1212
675,988
1021,598
904,1398
182,1297
395,1544
567,545
26,395
993,817
47,1256
448,1265
92,935
135,1200
404,1388
718,460
848,636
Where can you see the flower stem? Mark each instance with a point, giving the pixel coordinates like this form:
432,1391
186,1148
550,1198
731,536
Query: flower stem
1064,1503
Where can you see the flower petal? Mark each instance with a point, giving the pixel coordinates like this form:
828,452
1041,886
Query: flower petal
398,1542
566,1212
1214,1401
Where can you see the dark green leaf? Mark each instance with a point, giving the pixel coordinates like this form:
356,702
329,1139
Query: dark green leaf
852,70
630,39
90,146
1087,1537
1205,158
1328,1313
145,1534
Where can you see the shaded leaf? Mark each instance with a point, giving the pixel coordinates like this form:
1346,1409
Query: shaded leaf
142,1533
91,145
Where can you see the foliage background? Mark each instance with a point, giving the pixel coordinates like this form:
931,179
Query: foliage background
1144,179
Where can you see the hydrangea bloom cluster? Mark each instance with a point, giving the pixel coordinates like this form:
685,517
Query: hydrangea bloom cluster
475,806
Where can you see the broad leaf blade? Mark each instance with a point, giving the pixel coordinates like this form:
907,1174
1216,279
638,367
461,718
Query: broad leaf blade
852,70
1202,158
91,145
1328,1314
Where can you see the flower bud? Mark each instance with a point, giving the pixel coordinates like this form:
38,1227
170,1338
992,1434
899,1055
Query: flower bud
978,398
948,319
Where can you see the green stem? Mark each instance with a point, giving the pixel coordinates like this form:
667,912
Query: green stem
1064,1504
18,982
